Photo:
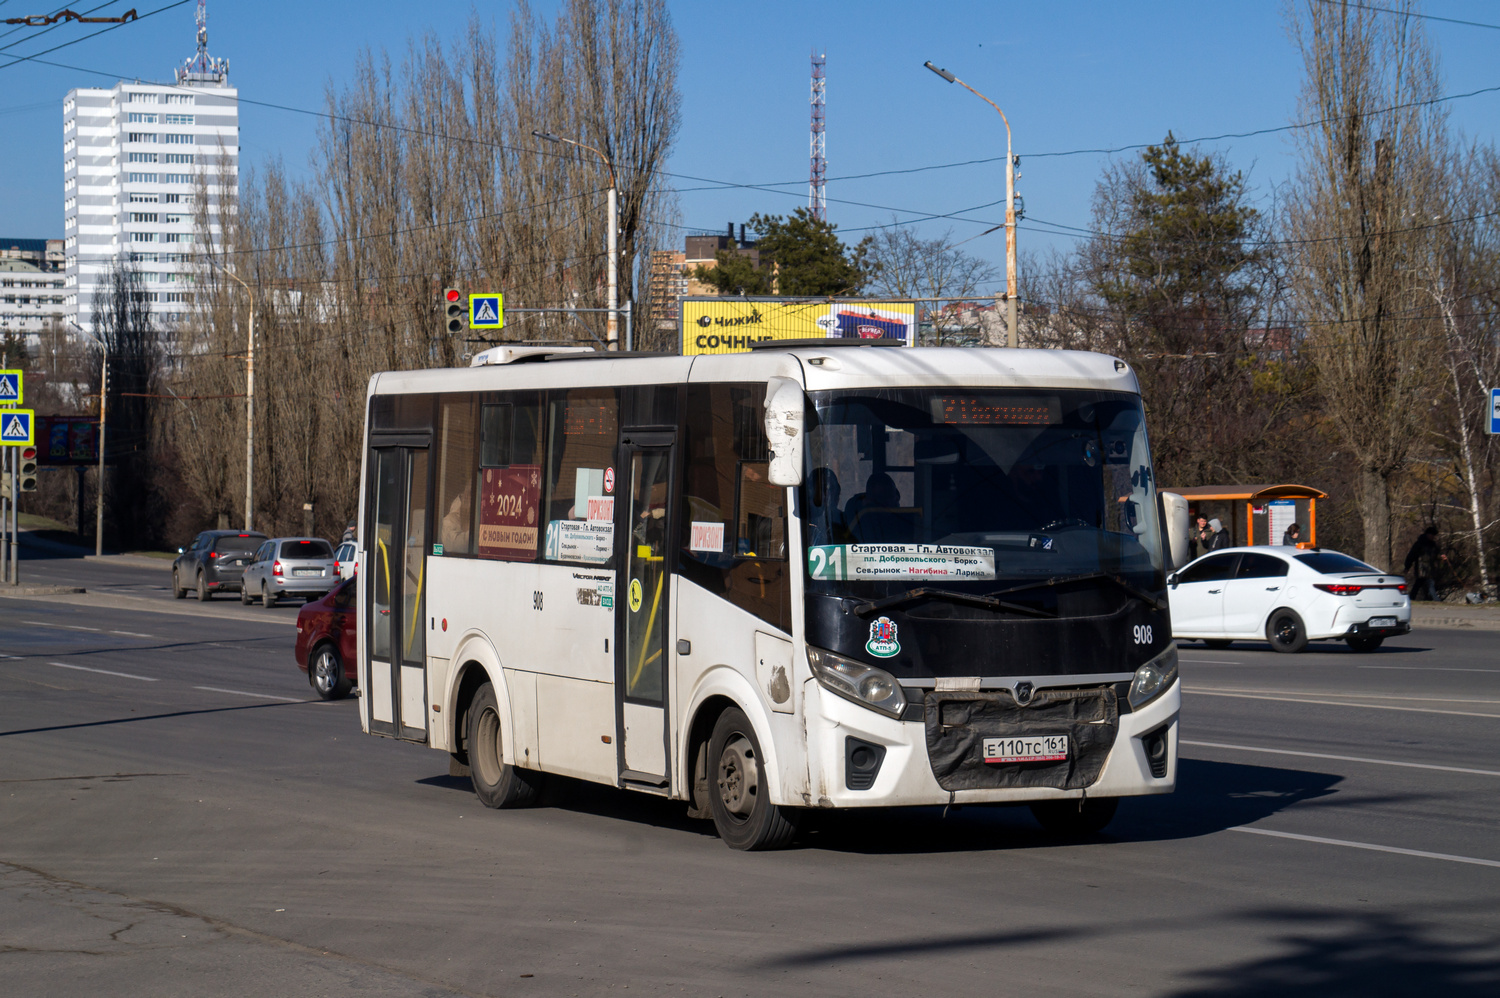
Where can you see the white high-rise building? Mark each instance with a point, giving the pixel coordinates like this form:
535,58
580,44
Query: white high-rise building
136,158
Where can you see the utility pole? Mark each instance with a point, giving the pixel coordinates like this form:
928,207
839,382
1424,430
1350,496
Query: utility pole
612,333
103,410
249,402
1011,283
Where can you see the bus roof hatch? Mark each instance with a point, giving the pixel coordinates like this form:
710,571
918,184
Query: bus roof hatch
516,354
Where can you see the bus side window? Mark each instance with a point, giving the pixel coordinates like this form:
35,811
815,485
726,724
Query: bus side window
583,430
456,463
734,521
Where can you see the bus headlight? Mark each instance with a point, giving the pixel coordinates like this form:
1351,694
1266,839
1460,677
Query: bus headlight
863,684
1154,678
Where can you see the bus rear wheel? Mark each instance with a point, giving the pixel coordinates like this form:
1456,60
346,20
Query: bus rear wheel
738,794
1075,817
496,783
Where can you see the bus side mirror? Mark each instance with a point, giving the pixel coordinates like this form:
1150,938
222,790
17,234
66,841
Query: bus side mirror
784,419
1174,513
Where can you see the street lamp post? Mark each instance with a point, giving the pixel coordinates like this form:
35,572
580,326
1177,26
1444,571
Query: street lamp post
103,410
1011,291
249,403
612,333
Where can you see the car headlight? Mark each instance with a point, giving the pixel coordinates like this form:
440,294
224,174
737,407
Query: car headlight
1154,678
863,684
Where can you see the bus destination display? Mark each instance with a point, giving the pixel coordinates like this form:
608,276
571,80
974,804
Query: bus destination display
995,410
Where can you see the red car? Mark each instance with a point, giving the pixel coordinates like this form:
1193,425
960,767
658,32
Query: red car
325,642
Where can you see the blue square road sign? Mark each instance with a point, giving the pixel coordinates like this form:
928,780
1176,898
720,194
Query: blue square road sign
486,311
17,427
1494,425
12,386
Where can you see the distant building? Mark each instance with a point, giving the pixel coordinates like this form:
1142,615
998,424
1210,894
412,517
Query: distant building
44,253
702,251
31,298
135,159
669,283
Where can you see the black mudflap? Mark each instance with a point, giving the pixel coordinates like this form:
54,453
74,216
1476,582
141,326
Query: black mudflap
958,722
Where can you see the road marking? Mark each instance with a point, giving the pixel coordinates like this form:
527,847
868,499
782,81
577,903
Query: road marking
1343,758
1336,693
1209,661
1426,668
103,672
1372,847
135,634
1337,703
242,693
70,627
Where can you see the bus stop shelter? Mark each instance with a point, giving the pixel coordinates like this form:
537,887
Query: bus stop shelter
1257,514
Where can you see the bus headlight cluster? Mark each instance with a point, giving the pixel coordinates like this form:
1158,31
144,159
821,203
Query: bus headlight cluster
1154,678
863,684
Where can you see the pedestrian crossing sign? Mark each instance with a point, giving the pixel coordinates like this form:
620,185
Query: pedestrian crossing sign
486,311
10,388
16,426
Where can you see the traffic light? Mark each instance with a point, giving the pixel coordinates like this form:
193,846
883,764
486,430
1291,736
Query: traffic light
456,310
27,470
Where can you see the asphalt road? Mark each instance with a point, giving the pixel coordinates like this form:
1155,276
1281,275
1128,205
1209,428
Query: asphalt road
178,816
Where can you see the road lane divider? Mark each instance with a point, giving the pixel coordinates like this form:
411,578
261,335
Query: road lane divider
104,672
258,696
1370,846
1341,703
1342,758
1427,668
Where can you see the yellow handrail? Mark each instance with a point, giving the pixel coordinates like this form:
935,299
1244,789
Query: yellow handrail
641,659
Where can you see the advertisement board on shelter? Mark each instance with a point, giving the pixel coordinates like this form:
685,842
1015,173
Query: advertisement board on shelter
732,325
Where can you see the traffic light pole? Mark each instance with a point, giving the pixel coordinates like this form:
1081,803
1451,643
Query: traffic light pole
5,520
15,517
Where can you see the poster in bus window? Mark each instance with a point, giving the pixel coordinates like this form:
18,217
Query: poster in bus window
509,506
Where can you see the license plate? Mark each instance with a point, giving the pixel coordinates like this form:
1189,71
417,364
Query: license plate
1381,622
1037,748
304,572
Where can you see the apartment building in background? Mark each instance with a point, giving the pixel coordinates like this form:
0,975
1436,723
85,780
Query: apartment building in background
137,157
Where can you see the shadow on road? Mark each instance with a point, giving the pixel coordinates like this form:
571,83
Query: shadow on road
1210,797
1334,955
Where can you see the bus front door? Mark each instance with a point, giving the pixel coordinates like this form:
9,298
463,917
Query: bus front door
644,587
395,566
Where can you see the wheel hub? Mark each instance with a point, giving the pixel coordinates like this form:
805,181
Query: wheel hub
737,776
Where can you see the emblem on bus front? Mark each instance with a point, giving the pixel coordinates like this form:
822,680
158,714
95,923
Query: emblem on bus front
883,643
1024,691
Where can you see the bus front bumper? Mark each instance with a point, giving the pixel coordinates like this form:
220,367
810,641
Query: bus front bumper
904,775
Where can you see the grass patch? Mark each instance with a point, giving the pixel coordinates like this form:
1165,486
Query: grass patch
30,521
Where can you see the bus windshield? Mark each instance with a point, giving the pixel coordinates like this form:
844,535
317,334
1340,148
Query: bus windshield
976,490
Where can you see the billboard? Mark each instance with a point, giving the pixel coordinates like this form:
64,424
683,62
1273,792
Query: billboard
67,440
731,325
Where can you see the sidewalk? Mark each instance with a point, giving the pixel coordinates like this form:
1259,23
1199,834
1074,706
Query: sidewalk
28,538
1484,617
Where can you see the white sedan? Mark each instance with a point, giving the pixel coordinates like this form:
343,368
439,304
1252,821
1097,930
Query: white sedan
1287,596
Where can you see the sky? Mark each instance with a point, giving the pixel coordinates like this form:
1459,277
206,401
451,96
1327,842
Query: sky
1070,74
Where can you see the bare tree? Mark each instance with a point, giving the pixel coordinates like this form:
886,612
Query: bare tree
904,265
1362,204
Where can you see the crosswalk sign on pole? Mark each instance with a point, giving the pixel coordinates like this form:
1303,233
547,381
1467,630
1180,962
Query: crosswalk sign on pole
11,384
16,427
486,311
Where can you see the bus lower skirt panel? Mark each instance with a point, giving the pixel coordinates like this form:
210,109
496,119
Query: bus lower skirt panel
958,722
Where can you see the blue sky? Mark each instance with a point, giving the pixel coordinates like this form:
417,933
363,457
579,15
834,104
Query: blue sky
1071,74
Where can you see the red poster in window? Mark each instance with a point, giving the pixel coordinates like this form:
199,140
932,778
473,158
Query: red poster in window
509,507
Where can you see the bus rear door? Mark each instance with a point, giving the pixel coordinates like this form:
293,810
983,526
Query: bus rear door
396,549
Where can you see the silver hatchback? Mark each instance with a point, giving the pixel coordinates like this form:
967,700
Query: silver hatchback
301,567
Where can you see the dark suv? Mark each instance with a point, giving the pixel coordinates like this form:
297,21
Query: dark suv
215,562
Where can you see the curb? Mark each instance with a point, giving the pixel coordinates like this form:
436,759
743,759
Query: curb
40,590
133,560
1457,623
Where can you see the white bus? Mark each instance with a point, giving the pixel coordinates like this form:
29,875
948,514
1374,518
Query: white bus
817,575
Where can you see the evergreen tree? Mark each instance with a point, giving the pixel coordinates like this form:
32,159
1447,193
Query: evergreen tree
799,256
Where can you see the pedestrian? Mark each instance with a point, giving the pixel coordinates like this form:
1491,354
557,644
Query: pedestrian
1219,540
1292,535
1201,537
1421,565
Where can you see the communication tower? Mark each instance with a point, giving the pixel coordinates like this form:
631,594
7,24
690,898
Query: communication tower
202,67
817,200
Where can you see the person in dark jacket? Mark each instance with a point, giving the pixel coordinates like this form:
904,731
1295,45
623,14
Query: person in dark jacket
1220,538
1201,537
1422,564
1292,535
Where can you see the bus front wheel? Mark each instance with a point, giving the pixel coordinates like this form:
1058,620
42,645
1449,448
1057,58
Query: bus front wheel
738,793
496,783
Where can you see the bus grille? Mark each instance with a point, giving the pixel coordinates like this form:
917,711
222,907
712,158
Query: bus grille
958,722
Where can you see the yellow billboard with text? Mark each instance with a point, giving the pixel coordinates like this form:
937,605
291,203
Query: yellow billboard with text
732,325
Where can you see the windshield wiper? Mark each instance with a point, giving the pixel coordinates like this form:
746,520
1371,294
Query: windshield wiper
926,592
1058,580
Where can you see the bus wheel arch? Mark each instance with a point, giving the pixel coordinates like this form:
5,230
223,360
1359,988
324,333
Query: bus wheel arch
719,689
